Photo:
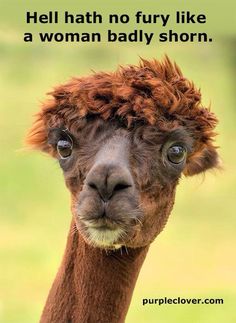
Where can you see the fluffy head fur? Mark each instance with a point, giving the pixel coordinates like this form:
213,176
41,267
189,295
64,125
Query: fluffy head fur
154,93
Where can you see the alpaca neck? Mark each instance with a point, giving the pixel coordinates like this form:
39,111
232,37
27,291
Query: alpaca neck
92,285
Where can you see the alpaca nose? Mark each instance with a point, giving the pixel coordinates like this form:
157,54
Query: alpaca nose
108,180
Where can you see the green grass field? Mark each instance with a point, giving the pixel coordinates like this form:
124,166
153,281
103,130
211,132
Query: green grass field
195,254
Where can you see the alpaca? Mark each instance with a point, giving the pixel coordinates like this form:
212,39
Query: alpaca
122,139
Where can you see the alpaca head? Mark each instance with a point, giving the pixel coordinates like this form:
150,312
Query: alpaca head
123,140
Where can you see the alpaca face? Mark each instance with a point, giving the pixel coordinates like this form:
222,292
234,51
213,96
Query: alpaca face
123,139
122,181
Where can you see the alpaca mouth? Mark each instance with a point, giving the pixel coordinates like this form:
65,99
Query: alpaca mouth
102,227
101,223
110,223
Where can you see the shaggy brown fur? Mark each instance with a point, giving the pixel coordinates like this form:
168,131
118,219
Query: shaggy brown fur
120,126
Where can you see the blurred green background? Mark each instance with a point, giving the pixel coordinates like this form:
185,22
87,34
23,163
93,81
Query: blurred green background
195,255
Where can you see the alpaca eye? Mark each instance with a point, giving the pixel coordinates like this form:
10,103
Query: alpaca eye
64,148
176,154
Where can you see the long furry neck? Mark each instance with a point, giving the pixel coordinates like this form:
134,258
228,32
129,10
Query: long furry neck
92,285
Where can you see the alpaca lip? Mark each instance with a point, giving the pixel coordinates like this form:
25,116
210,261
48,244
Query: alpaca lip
101,224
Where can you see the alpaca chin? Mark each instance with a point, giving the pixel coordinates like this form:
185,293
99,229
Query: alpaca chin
104,237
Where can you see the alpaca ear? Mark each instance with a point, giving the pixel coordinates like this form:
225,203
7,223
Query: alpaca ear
202,160
37,137
204,155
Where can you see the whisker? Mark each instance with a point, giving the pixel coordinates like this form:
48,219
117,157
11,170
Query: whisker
139,221
73,230
126,250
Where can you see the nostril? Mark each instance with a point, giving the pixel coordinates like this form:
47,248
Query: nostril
108,181
120,186
92,185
